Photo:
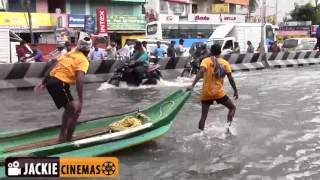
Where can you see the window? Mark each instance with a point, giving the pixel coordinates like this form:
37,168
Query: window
163,7
228,45
187,31
290,43
178,8
152,29
20,6
194,8
170,31
78,7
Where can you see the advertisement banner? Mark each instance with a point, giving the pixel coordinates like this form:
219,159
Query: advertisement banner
15,20
217,18
90,24
242,2
102,20
76,21
169,18
137,23
220,8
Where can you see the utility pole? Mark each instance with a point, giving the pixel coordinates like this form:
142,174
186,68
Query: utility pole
316,9
276,14
30,20
262,45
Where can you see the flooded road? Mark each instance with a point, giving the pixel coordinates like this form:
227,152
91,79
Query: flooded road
276,129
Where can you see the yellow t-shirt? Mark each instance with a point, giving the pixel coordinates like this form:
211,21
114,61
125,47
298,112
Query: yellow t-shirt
68,64
212,88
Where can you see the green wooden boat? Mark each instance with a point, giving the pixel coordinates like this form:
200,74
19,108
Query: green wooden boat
93,137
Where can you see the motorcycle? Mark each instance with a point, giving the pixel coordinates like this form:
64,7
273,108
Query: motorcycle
191,68
125,72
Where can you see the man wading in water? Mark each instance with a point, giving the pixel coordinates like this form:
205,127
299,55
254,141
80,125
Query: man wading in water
70,69
213,70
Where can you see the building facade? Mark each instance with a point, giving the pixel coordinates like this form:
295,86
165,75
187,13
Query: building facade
55,21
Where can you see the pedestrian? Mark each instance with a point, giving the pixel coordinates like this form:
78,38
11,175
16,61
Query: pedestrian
171,52
236,48
68,46
69,69
22,52
250,48
96,54
180,50
159,52
145,46
213,70
36,55
57,52
274,47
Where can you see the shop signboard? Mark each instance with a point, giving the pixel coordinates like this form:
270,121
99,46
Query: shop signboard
102,20
169,18
16,20
137,23
241,2
220,8
90,24
217,18
76,21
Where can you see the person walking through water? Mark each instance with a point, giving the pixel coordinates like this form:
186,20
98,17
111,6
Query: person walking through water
70,69
213,69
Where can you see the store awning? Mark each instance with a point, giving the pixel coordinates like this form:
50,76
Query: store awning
34,30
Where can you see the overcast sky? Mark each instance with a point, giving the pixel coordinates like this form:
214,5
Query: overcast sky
284,6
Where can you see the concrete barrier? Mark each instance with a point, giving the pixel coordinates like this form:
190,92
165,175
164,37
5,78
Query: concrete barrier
27,75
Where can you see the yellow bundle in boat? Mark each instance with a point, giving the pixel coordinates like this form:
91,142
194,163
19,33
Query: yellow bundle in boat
126,123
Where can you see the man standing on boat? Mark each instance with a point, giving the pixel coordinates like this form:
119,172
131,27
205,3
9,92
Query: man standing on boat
70,69
213,70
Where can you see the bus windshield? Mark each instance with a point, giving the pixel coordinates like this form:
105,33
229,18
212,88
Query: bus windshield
191,32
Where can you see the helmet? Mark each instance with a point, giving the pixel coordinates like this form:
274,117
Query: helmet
84,43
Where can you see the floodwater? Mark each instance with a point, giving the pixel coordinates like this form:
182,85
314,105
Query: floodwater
275,134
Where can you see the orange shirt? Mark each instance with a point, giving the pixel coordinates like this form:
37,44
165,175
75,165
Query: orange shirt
68,64
212,88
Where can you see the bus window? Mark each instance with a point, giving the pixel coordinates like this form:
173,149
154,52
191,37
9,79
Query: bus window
204,30
187,31
152,29
170,31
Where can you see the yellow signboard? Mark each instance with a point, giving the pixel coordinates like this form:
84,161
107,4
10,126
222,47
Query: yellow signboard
20,20
220,8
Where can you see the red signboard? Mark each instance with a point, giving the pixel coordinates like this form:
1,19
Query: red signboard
102,20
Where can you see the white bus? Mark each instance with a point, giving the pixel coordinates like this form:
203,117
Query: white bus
189,31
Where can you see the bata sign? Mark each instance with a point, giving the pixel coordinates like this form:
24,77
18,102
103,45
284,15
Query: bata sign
102,20
217,18
201,18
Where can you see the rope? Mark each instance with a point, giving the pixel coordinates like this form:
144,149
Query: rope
172,104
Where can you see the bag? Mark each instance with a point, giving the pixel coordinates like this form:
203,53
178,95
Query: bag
219,71
318,32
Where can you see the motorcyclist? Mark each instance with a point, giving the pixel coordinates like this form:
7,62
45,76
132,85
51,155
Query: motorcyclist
200,53
140,62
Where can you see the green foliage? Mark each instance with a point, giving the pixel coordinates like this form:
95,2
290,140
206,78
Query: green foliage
253,4
307,12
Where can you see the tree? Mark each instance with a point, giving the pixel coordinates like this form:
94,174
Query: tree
253,4
305,13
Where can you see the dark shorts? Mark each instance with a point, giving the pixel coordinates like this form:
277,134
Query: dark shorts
219,101
59,91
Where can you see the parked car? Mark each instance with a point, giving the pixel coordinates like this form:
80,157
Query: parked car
299,44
